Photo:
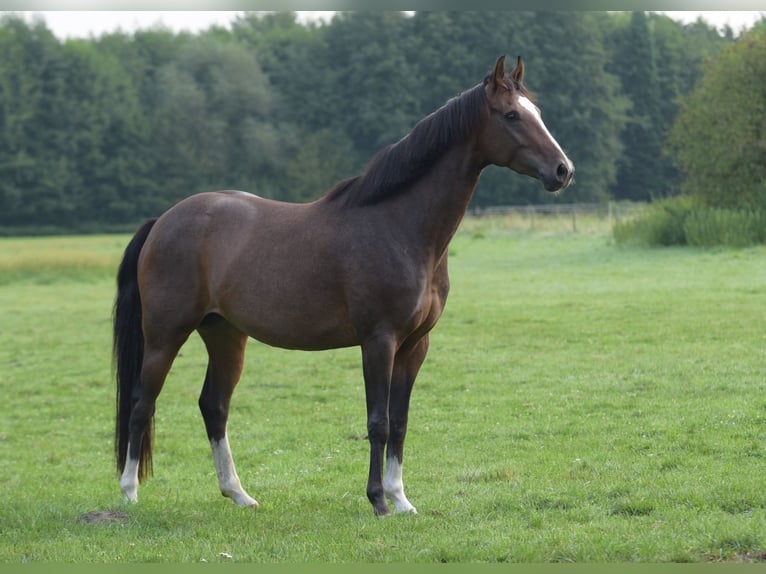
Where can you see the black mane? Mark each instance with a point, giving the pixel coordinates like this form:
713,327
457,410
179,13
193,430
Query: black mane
403,163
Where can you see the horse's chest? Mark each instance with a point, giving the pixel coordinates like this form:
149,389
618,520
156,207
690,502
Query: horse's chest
425,301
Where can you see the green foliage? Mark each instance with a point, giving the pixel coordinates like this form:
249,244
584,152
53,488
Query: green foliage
106,131
29,84
718,137
710,226
232,142
662,223
321,159
686,221
656,61
635,63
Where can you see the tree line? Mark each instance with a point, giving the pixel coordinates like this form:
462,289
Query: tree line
108,130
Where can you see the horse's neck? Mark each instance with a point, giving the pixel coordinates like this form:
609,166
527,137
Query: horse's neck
435,206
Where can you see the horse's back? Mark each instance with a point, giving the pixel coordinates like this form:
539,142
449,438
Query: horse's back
220,224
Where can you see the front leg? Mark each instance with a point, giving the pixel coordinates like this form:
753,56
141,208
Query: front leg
377,359
406,366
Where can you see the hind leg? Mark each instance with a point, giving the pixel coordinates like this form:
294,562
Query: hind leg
226,349
154,370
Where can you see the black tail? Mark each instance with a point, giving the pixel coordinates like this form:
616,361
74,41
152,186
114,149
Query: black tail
128,349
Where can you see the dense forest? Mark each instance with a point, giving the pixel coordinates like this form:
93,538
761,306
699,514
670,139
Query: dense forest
101,132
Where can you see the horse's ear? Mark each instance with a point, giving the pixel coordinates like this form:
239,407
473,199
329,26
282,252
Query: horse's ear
498,74
518,72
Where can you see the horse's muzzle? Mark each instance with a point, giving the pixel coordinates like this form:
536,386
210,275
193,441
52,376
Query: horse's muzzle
561,178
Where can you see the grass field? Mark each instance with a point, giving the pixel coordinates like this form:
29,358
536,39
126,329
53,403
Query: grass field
580,403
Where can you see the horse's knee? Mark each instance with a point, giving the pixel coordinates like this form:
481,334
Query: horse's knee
378,429
398,430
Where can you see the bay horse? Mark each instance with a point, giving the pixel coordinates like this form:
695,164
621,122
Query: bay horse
365,265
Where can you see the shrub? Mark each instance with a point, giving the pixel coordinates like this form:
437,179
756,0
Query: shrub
661,224
682,221
706,227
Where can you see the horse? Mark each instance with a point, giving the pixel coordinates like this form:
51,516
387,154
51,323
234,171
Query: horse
364,265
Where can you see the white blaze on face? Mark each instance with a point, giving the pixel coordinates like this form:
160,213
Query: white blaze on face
527,104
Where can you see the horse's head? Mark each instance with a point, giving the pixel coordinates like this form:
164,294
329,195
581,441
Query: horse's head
515,135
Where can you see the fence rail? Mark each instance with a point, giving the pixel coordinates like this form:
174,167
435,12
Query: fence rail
612,211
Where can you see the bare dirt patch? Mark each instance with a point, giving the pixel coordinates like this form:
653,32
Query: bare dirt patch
103,517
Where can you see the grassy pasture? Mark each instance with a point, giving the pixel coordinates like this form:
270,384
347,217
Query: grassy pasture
581,402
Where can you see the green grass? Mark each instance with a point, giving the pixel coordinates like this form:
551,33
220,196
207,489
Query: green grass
581,402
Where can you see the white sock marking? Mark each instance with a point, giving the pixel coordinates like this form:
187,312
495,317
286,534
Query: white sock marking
228,480
394,487
129,479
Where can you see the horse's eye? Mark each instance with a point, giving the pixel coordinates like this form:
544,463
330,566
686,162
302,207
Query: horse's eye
513,115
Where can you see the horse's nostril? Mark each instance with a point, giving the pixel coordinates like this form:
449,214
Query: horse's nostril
562,172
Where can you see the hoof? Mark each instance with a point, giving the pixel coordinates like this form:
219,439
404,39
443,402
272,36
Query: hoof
252,504
241,499
382,510
129,492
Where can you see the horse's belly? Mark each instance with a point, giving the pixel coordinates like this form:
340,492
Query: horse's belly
291,317
302,333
